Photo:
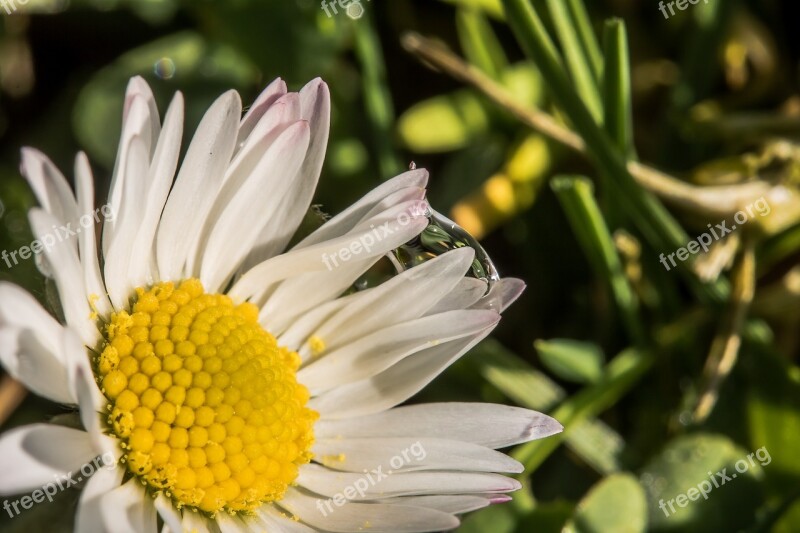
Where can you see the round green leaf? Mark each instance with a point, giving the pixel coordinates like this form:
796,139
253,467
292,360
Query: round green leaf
616,504
701,463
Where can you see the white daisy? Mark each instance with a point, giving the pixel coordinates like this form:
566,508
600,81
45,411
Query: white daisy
232,383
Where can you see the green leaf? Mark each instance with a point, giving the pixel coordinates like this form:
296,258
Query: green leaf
616,504
548,517
773,417
516,378
687,467
787,523
524,82
497,519
576,361
443,123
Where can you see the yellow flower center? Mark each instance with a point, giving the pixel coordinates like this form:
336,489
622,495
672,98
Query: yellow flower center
205,402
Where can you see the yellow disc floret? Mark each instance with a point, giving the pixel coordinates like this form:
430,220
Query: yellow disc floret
204,401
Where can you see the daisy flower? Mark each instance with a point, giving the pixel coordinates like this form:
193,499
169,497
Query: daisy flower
235,385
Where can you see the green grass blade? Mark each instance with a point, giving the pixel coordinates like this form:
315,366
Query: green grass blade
586,220
654,221
578,64
377,99
588,39
479,42
617,100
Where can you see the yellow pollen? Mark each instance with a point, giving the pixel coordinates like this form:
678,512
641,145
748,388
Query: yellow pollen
93,306
204,401
317,345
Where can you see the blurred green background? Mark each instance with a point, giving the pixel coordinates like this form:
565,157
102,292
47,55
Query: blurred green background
621,351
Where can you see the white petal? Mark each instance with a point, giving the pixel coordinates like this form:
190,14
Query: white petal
128,509
381,349
90,400
300,296
237,229
168,513
410,454
268,96
394,385
128,221
256,282
283,113
248,169
68,276
89,518
229,524
373,517
138,86
160,175
504,292
418,207
293,297
316,109
137,122
28,362
490,425
197,184
19,308
195,523
455,504
302,328
276,520
249,164
49,186
404,297
36,455
30,347
465,294
380,484
87,240
350,217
